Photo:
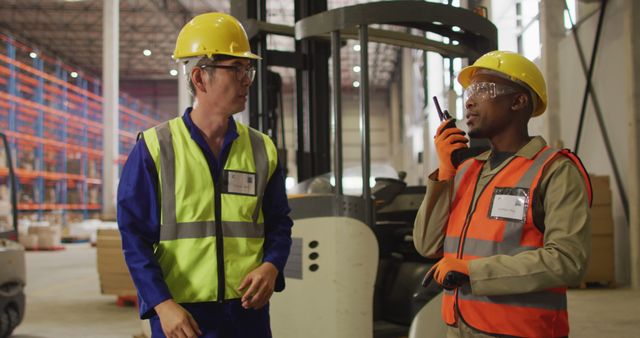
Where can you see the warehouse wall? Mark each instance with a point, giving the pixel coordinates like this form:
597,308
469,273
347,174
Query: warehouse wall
609,80
161,95
414,125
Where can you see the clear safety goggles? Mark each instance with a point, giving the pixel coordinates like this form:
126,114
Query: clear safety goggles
484,91
240,71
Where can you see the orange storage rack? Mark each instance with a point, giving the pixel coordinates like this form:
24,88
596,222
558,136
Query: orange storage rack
54,124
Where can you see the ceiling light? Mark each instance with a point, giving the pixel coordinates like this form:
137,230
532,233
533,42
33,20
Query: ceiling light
356,48
33,55
456,29
356,69
356,84
455,42
74,75
173,72
146,52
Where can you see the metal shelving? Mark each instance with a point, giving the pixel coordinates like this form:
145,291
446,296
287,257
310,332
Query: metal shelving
52,116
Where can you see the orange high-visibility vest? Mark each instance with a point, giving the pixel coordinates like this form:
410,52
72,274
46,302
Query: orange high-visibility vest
472,233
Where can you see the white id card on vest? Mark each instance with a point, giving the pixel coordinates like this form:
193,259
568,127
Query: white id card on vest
240,183
509,204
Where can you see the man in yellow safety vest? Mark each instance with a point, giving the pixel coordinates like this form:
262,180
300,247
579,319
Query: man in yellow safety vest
202,207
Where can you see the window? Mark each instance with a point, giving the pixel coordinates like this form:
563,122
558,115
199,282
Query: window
528,23
570,14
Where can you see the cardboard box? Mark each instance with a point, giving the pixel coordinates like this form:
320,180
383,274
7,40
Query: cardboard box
74,165
601,260
601,187
112,269
601,219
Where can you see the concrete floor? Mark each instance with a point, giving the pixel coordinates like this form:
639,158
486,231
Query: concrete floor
64,301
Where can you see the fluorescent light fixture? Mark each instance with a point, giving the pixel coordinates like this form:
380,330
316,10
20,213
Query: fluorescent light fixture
33,55
356,69
146,52
356,47
74,75
173,72
356,84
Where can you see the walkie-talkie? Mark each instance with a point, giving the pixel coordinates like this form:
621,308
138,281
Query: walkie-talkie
458,155
453,279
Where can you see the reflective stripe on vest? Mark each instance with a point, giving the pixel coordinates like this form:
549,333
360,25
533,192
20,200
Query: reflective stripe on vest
540,313
187,248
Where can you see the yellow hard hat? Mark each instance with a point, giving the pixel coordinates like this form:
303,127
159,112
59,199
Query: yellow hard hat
210,34
516,68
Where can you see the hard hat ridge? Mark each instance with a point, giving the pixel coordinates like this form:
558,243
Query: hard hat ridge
211,34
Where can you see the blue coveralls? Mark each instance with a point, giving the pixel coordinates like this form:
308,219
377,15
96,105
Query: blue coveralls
139,223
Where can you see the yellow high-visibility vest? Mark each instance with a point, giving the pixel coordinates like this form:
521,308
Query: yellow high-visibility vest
203,224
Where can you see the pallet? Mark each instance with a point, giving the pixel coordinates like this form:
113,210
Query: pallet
74,239
123,301
50,248
597,285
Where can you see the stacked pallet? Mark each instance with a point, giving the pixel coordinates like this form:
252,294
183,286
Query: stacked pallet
113,272
601,263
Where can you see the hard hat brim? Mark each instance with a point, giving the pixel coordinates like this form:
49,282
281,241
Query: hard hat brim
464,78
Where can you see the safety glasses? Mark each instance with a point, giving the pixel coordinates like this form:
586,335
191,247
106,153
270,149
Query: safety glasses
484,91
241,72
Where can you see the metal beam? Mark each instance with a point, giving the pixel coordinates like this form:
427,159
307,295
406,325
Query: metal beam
589,92
313,154
110,164
632,50
173,11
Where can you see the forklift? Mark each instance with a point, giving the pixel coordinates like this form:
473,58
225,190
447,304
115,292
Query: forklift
353,270
12,259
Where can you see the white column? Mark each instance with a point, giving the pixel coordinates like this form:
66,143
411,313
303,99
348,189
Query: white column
110,90
551,33
632,50
184,98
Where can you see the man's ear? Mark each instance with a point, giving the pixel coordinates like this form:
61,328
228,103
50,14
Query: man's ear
520,101
198,80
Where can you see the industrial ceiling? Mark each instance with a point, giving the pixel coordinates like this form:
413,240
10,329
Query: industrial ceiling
72,31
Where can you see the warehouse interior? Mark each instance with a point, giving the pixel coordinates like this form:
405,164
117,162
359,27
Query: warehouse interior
79,79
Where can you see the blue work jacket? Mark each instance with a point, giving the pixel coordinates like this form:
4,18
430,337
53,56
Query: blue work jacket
139,218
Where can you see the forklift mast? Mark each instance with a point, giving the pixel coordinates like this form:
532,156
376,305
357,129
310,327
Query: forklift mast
311,63
353,270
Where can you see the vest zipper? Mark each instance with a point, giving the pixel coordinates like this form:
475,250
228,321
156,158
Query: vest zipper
219,241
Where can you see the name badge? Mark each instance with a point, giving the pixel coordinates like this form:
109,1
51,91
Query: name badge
509,204
238,182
